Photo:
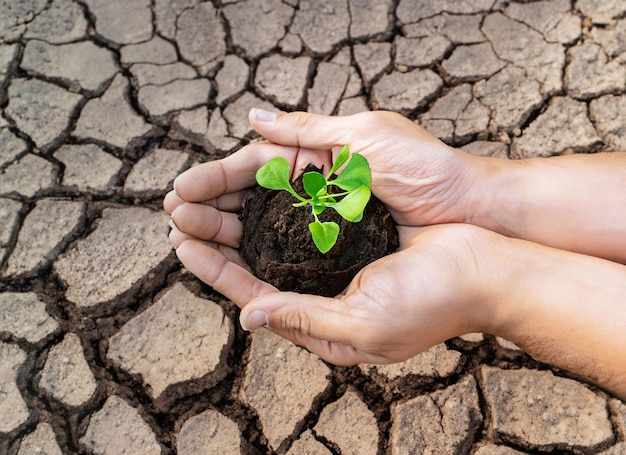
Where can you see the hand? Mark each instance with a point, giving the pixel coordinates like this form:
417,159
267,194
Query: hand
420,179
395,308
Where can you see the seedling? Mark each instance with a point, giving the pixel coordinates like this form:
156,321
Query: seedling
355,181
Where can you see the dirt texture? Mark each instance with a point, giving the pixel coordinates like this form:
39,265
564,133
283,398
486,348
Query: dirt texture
278,247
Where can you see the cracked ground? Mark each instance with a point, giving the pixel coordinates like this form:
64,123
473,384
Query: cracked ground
108,346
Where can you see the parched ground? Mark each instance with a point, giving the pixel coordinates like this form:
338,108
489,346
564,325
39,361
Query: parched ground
108,346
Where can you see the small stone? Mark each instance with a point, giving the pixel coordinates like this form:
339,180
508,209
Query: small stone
244,17
564,125
209,432
369,17
47,229
88,167
13,409
151,74
473,62
180,338
280,391
322,24
283,79
126,244
372,59
590,74
173,96
40,441
122,21
306,444
405,92
119,429
329,85
23,315
441,422
519,44
9,212
111,119
40,109
27,176
437,361
232,78
85,63
66,375
200,35
523,96
236,114
543,410
156,51
155,171
349,424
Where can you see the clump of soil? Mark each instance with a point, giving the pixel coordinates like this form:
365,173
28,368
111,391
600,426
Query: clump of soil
278,247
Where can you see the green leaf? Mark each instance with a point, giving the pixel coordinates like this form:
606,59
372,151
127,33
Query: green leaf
324,235
352,206
274,175
313,182
341,158
355,174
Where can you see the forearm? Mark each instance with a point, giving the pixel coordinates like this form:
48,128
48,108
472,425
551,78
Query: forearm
563,308
575,202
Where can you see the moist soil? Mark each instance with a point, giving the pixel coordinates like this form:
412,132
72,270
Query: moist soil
278,247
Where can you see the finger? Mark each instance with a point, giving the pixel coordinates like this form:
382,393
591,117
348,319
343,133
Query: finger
302,129
325,326
171,201
177,237
229,202
207,223
227,278
234,173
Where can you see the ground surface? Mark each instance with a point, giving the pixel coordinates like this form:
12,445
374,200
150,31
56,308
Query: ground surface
108,346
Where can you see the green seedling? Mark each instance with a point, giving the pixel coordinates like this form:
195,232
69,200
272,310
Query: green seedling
349,200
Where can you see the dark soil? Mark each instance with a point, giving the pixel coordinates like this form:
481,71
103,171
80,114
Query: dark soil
278,247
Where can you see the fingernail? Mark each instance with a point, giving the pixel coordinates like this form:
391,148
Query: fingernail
263,116
255,320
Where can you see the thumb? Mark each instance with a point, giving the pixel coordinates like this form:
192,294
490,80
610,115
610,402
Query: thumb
302,129
299,317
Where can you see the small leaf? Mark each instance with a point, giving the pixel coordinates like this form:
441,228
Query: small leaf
352,206
313,182
274,175
355,174
324,235
341,158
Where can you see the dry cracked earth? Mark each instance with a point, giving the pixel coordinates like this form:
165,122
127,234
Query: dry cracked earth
108,346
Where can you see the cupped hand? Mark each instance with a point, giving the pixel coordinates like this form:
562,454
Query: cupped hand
420,179
394,308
